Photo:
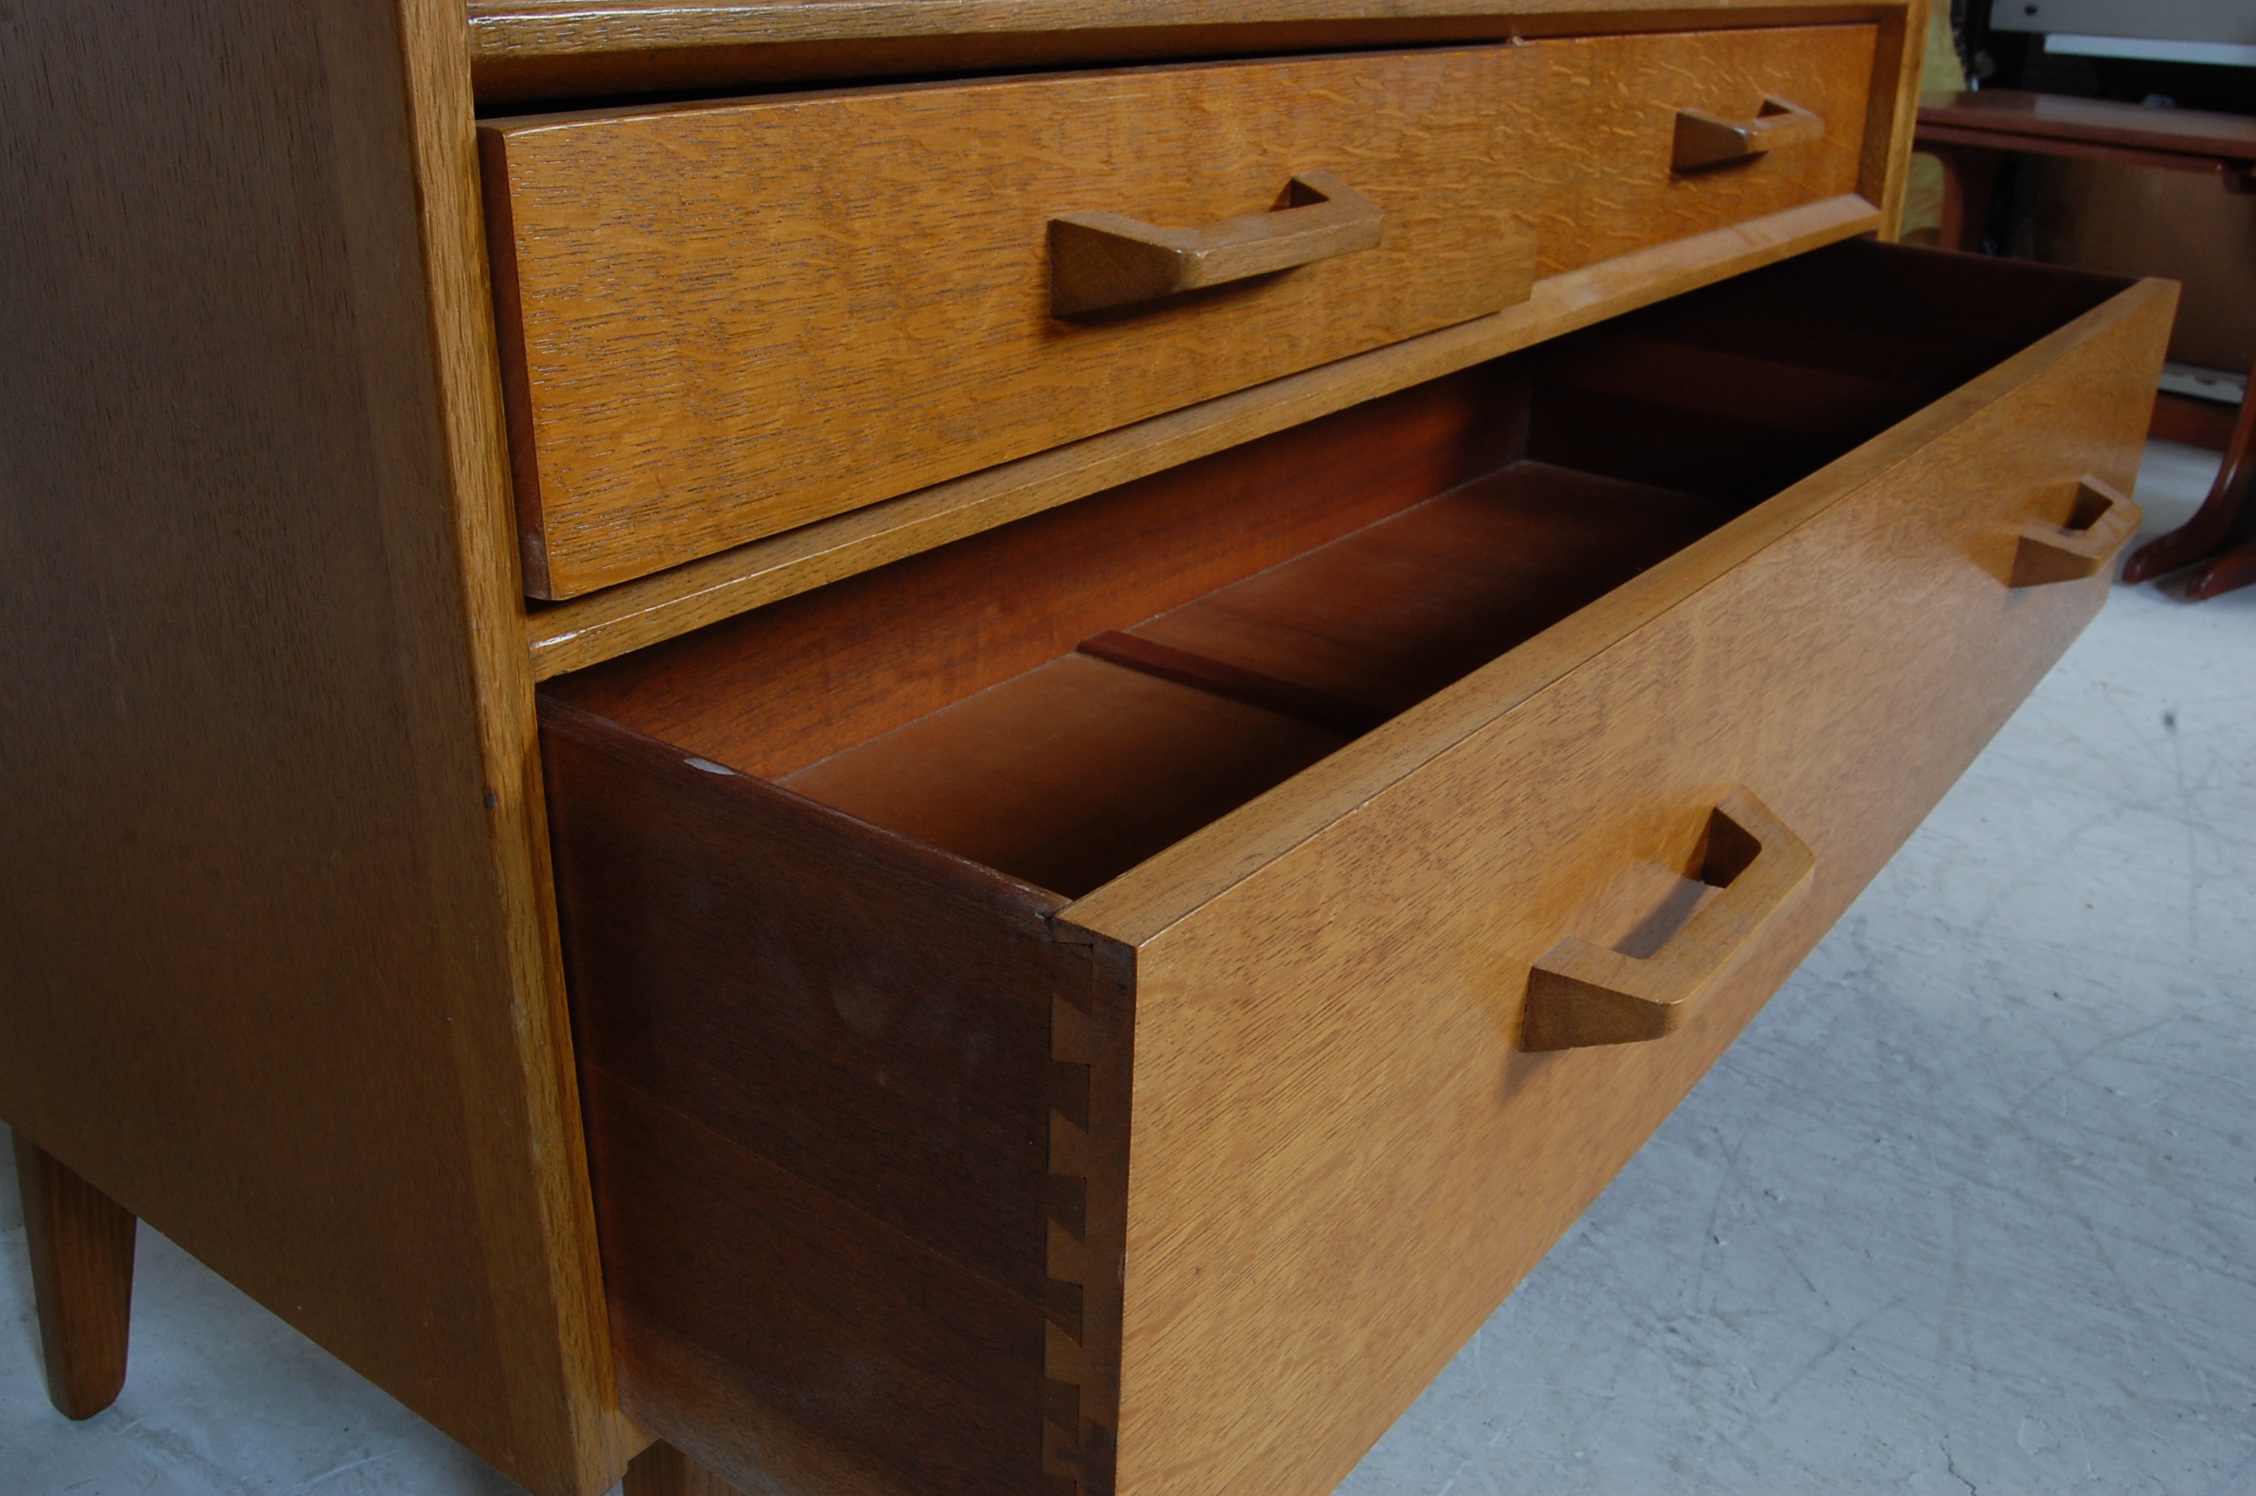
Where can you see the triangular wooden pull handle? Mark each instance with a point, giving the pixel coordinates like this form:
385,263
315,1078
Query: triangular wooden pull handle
2101,524
1099,261
1581,994
1704,139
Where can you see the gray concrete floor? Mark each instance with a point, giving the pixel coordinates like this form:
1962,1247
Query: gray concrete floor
1971,1207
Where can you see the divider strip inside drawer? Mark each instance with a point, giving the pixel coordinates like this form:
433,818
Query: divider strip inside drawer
1303,703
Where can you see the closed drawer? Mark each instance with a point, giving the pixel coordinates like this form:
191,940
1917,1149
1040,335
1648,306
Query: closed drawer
1650,138
1082,1009
722,321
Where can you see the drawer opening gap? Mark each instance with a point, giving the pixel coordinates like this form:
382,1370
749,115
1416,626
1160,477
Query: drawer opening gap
1062,698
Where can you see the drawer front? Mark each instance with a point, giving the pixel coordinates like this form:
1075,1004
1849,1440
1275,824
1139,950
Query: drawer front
911,1175
1342,1156
1613,184
722,322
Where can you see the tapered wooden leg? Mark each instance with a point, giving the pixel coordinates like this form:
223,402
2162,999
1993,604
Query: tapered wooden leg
662,1470
81,1245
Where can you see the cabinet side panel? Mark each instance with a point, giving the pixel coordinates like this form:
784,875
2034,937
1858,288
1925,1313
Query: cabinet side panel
818,1062
269,915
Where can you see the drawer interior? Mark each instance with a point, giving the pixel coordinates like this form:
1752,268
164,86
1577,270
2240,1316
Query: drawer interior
1060,698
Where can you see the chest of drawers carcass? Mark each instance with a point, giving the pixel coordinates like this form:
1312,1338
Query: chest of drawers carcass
1142,683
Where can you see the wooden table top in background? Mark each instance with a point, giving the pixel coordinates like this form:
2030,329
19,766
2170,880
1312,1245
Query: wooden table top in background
2145,128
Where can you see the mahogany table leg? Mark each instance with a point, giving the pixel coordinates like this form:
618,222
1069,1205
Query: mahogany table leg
81,1246
1969,178
2225,519
662,1470
2234,569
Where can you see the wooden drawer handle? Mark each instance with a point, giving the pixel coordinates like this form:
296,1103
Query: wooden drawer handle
1581,994
1704,139
2099,526
1103,260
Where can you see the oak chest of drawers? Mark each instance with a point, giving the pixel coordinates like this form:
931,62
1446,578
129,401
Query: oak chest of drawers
1183,665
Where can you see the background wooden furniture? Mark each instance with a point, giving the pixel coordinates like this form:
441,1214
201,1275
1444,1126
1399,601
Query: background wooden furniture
283,973
1971,134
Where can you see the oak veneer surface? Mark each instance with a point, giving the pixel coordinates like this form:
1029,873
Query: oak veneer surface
1610,127
271,939
572,636
723,321
1322,984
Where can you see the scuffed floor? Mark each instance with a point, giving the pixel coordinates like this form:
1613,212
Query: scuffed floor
1971,1207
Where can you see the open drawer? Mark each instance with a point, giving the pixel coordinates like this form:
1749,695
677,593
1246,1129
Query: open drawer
1112,1004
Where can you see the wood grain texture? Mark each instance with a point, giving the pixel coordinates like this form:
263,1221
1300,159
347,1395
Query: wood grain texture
1068,774
780,688
270,917
1383,618
1854,305
1302,1018
533,49
80,1243
705,355
1581,994
820,1079
575,635
1893,102
1329,1109
1610,184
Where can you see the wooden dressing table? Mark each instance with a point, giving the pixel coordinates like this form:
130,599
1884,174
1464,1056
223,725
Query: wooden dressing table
963,747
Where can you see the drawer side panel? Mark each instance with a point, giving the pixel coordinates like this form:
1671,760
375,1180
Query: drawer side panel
819,1079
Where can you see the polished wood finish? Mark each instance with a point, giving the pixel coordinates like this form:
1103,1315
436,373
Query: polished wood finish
2050,120
1106,261
604,625
2195,422
1580,994
1611,134
700,356
1302,1018
80,1243
2220,539
273,906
